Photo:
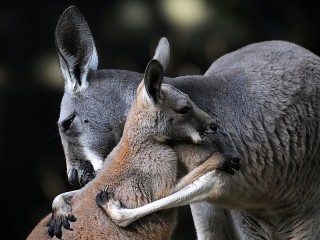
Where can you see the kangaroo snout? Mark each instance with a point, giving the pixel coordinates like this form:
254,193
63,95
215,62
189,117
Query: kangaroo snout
73,177
212,127
80,177
208,128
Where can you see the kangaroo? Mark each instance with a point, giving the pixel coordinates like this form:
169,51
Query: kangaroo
266,96
143,166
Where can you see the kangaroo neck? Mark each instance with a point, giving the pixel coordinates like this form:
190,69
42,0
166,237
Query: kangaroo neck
140,150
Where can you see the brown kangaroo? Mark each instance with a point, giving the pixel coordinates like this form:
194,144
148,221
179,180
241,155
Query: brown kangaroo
143,166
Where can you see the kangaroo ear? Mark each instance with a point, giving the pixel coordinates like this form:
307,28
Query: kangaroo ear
152,81
76,49
162,53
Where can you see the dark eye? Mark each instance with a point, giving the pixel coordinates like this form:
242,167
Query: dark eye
184,110
66,124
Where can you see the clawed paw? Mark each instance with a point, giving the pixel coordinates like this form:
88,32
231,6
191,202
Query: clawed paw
105,199
113,208
57,221
231,163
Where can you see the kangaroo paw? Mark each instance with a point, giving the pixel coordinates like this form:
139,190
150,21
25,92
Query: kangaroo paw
60,218
113,208
61,215
105,199
231,163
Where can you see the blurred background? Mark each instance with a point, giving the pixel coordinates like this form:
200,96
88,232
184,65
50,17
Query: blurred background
126,33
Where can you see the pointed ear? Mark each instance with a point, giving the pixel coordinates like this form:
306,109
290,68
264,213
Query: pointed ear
76,49
152,81
162,53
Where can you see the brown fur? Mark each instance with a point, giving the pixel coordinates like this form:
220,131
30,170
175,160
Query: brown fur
139,170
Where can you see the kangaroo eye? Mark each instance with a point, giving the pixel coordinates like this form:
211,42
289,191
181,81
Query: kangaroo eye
184,110
66,124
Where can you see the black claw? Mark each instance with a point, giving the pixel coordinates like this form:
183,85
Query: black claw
57,230
231,164
236,164
59,234
51,231
104,196
99,200
72,218
55,225
66,224
49,223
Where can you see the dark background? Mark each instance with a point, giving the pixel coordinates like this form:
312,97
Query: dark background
32,163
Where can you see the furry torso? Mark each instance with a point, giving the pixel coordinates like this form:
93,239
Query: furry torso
269,104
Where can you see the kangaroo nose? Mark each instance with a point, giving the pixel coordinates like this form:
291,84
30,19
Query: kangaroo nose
73,177
212,127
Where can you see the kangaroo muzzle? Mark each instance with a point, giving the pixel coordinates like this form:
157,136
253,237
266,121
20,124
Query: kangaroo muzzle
212,127
81,174
209,128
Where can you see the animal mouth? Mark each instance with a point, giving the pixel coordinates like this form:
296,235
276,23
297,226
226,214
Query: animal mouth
210,129
205,134
79,177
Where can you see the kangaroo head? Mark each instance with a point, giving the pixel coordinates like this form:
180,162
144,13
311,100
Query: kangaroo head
93,109
162,112
96,102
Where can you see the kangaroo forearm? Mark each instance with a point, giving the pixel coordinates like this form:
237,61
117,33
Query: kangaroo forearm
215,161
195,192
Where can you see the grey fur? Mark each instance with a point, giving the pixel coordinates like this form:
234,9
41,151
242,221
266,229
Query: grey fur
162,53
142,167
267,96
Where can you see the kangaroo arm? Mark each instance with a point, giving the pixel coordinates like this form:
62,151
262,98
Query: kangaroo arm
215,161
195,192
192,188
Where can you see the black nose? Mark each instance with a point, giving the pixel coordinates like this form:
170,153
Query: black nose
213,126
73,177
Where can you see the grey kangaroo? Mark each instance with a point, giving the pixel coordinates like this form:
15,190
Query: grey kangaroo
266,95
143,165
